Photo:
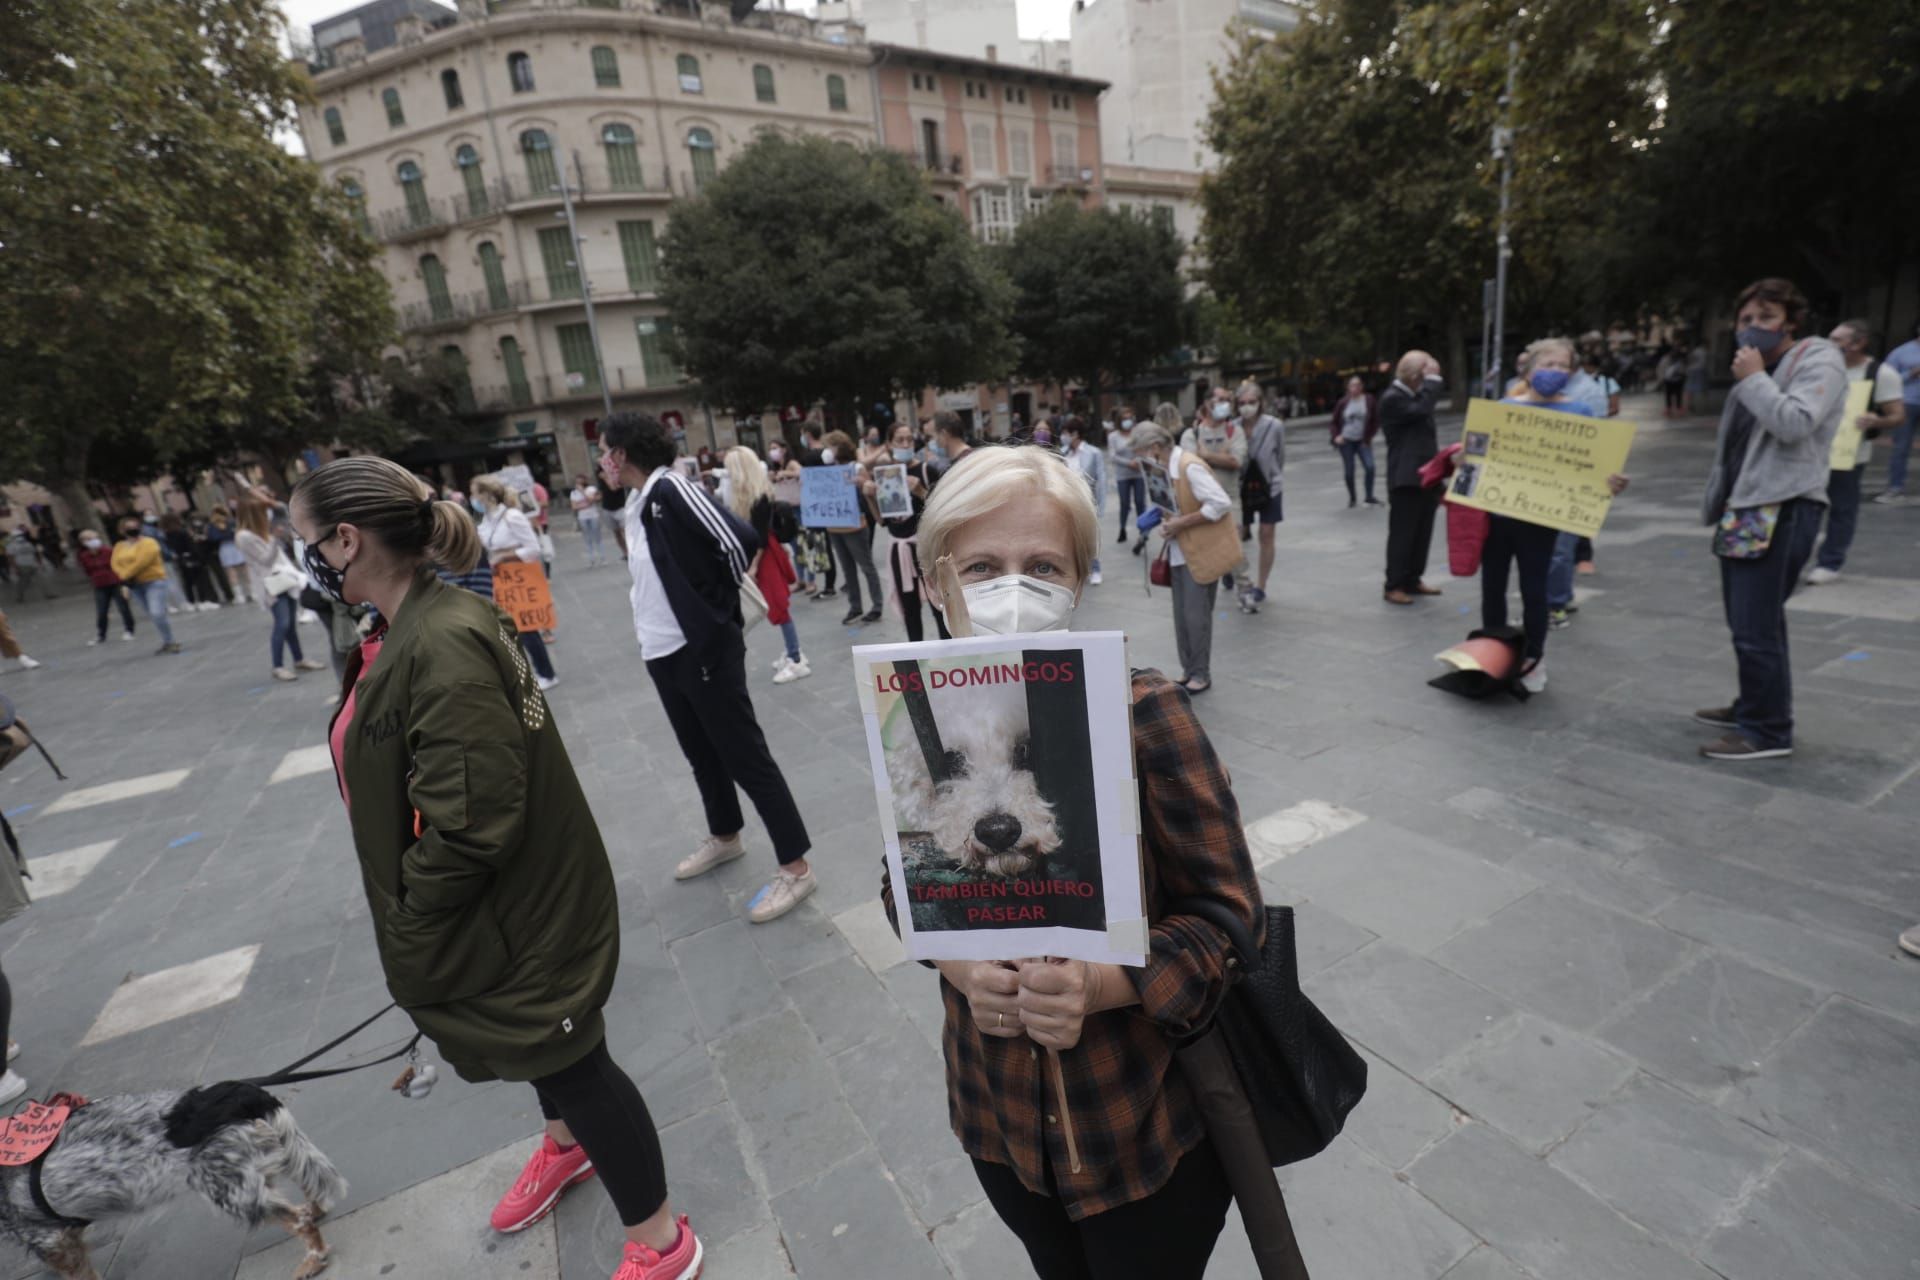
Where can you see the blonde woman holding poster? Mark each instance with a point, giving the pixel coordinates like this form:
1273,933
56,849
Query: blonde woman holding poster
1147,1196
508,536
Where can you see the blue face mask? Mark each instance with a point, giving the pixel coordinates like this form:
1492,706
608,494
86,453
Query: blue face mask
479,507
1762,340
1548,382
902,455
937,452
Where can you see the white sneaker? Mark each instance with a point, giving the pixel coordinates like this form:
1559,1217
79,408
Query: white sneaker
780,662
1535,681
782,894
26,663
12,1085
1093,579
1822,575
793,671
307,616
309,664
13,1050
126,635
91,643
713,851
1891,498
543,683
173,608
207,606
284,673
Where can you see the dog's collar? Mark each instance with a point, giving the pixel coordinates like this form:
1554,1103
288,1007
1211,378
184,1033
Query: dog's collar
925,731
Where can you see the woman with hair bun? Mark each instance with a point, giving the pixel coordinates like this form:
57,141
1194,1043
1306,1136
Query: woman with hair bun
493,902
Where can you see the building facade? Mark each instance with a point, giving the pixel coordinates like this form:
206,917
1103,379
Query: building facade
453,142
971,28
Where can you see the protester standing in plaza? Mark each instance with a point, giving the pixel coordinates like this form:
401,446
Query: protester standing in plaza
278,581
137,562
903,556
951,441
25,555
232,566
1086,458
1220,441
1406,418
14,898
853,545
1260,486
749,496
1696,379
687,556
493,902
183,555
508,536
1885,412
1768,484
1201,545
96,561
1129,486
585,501
1356,420
1149,1197
1672,371
1905,360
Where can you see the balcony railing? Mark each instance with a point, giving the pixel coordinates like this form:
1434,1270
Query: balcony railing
543,390
434,214
566,288
1067,175
458,309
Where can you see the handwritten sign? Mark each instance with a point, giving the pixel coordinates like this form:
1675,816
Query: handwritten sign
25,1135
1539,465
521,589
1846,441
829,498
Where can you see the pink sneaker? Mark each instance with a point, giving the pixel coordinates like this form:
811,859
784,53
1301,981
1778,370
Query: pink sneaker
682,1262
550,1171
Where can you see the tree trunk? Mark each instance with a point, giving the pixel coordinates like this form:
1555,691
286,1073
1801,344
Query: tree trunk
1457,359
81,513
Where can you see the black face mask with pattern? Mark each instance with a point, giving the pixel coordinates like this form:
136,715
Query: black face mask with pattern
328,579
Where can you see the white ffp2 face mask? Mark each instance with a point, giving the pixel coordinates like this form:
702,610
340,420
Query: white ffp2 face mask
1016,603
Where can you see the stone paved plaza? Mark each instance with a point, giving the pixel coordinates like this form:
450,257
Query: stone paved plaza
1630,1015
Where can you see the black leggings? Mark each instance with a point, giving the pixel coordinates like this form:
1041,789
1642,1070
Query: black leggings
603,1108
104,598
1530,546
910,600
1676,394
6,1011
1169,1235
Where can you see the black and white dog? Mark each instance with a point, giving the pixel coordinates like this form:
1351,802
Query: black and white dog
229,1142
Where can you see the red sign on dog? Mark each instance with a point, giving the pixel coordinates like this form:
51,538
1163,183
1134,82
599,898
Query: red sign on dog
25,1135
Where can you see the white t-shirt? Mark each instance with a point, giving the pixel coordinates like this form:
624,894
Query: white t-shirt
1213,500
1214,436
1886,386
654,624
586,502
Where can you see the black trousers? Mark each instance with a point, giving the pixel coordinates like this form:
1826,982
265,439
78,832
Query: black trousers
104,598
706,700
910,600
1511,542
603,1108
1168,1236
1410,511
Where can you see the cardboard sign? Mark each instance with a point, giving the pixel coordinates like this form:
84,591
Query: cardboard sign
25,1135
516,477
1540,465
522,590
1003,769
829,499
890,491
1846,441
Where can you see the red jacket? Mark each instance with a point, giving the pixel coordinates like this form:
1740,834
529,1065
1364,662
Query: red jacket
99,567
1373,417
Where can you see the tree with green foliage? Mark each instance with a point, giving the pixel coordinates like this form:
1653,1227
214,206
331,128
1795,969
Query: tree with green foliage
1098,294
809,270
171,279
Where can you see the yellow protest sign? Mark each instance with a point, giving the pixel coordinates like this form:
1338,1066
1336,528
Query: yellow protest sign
1539,465
1846,441
521,589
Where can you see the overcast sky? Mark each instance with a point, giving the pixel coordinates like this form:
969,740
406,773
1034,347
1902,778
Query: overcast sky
1037,17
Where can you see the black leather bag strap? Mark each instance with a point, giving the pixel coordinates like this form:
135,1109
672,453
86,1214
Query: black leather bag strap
1222,917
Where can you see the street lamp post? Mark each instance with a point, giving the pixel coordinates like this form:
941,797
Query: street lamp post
586,286
1503,152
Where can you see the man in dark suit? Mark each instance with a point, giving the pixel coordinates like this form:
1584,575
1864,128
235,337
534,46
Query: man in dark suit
1406,420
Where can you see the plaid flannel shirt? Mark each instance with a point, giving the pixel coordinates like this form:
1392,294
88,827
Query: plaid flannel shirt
1133,1115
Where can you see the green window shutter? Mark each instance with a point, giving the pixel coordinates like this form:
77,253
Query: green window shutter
556,254
836,93
641,255
654,331
336,131
475,179
576,357
623,158
498,299
763,83
517,389
435,277
390,98
700,151
542,175
606,67
414,187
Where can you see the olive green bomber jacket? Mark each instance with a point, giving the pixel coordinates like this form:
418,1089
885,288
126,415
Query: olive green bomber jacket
493,902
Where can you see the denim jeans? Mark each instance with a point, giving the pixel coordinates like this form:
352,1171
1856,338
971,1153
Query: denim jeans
153,598
537,654
1349,450
791,634
590,534
1566,550
286,634
1133,494
1755,593
1843,513
1902,449
104,598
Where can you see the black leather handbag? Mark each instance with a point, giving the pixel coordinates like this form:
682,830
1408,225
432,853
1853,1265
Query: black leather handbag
1299,1072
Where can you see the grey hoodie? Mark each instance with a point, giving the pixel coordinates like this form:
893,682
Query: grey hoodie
1796,410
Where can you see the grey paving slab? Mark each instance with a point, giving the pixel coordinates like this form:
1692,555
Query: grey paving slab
1882,978
977,1245
1564,957
1579,870
1410,890
1812,901
1404,1007
1486,1263
843,1004
1675,1165
725,976
1807,1220
758,1254
917,990
796,1122
1320,937
1399,1117
1534,818
897,1086
1538,1217
1354,1218
1844,1084
848,1219
1532,1079
1711,1024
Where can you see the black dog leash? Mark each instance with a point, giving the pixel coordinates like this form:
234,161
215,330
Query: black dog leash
292,1074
